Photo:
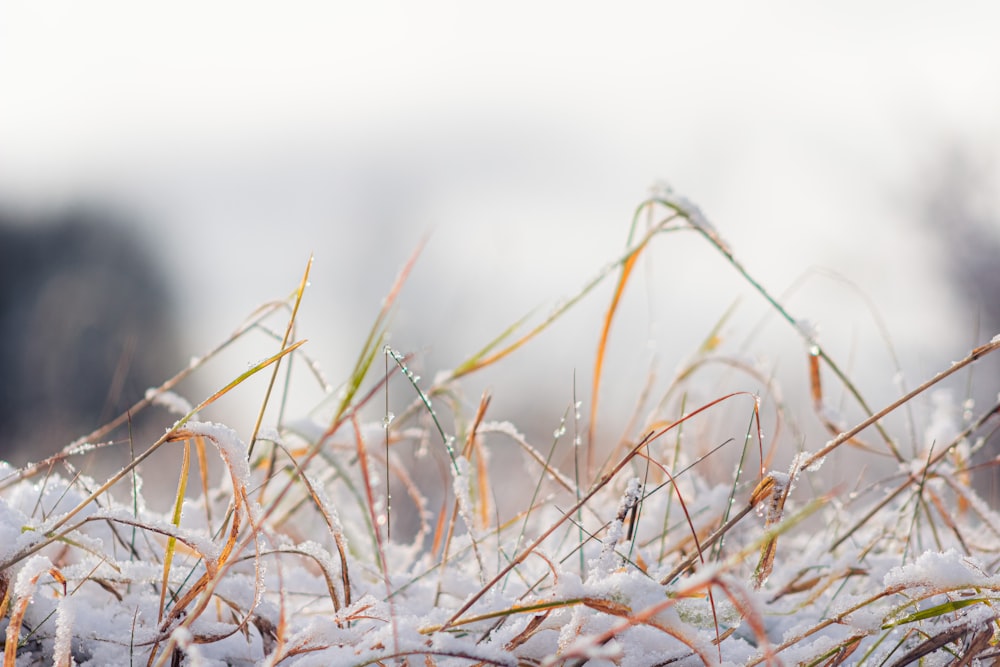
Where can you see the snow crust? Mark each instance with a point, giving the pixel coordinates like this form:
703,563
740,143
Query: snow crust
292,578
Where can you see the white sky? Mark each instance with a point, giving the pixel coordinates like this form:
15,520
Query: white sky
521,134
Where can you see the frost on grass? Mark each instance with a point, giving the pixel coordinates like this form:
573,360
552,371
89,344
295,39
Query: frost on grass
232,449
940,571
301,581
175,403
652,559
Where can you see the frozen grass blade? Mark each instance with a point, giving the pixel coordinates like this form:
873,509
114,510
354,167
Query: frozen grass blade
698,222
199,448
338,537
426,401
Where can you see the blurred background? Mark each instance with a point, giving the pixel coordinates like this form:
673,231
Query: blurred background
206,150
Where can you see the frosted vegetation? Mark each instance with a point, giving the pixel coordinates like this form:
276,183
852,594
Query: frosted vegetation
347,535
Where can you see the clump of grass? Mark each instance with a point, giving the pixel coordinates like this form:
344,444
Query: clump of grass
357,537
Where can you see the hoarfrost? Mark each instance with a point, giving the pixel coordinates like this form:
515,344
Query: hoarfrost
65,618
34,568
816,465
175,403
938,571
943,427
609,560
233,450
462,486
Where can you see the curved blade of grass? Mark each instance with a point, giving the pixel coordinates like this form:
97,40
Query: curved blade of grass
936,611
398,358
338,539
700,224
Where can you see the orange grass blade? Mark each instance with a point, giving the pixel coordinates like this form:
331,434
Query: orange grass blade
199,448
815,385
472,444
17,619
627,267
439,526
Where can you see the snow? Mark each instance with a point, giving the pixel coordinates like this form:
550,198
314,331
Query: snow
284,589
943,426
462,486
940,571
29,574
232,449
65,618
290,591
173,402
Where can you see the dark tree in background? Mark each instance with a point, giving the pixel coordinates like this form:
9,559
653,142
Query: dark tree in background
960,207
85,327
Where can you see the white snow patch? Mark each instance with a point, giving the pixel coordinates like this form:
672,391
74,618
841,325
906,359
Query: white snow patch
462,486
34,568
173,402
943,427
937,570
232,449
65,617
